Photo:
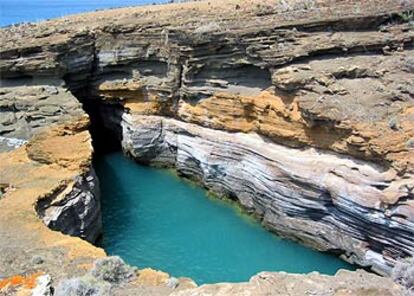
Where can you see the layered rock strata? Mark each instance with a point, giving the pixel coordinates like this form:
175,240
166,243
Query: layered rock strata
29,105
26,111
311,102
75,210
323,199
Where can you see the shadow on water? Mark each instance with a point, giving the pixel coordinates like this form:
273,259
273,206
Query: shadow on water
110,181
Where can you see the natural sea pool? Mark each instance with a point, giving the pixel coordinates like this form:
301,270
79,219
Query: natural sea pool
152,218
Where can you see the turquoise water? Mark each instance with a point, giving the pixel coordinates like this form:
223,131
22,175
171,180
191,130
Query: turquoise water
17,11
154,219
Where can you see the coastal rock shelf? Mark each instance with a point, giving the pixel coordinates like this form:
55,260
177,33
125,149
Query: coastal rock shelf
301,111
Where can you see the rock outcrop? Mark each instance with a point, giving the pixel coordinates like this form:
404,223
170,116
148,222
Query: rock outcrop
303,111
322,199
75,210
266,283
27,110
40,181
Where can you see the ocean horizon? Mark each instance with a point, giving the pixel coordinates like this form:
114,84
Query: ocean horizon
20,11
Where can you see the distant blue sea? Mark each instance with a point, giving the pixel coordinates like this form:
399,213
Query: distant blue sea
18,11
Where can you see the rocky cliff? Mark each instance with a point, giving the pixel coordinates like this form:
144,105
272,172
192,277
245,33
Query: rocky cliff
303,111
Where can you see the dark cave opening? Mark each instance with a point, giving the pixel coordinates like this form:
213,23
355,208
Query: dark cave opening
104,139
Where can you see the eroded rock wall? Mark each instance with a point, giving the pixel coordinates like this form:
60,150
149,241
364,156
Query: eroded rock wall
323,199
31,107
41,179
316,100
76,210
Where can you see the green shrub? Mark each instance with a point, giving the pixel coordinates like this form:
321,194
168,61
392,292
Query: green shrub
82,286
113,270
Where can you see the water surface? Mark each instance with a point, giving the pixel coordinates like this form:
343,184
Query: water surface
154,219
17,11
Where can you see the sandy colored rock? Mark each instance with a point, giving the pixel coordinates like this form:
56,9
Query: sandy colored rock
23,233
346,283
151,277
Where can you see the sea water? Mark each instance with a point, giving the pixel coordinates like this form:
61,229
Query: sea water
152,218
18,11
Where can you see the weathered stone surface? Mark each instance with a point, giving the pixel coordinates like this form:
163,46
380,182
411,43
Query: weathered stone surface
346,283
321,103
27,245
76,210
204,65
323,199
43,286
27,106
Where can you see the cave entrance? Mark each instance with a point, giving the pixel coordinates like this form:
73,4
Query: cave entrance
104,139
